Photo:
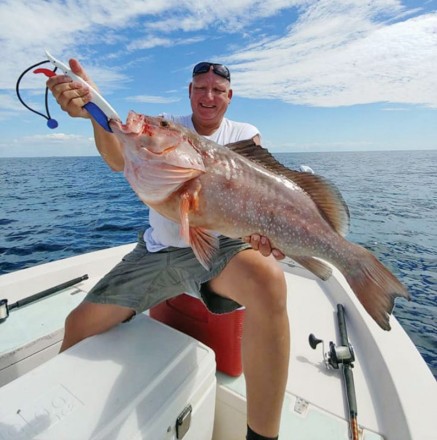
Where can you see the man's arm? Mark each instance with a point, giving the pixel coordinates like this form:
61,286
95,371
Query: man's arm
72,96
109,147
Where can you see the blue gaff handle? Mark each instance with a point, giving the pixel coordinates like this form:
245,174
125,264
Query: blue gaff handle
98,115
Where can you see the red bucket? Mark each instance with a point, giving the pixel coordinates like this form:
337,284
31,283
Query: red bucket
222,332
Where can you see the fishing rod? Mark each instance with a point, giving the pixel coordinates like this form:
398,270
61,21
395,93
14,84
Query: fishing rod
5,308
342,356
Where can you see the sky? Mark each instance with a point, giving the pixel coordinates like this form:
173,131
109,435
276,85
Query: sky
312,75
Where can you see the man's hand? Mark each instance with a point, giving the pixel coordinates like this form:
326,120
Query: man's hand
71,95
262,244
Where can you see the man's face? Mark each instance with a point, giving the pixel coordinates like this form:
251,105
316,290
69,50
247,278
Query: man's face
210,95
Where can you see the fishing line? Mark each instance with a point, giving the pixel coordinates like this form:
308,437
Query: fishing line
51,123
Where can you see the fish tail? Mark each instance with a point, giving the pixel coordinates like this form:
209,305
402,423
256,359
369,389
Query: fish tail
375,286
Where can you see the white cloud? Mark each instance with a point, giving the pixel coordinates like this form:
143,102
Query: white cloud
337,52
149,43
225,15
10,101
150,99
396,109
340,145
338,56
53,138
53,144
66,26
152,41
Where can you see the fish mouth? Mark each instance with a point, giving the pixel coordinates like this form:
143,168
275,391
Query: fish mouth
134,124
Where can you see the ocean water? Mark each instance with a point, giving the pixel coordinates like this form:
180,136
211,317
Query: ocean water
53,208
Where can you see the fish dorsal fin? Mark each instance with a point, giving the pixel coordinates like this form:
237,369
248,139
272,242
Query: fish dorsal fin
325,194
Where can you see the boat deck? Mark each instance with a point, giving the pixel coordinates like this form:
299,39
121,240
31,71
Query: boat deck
389,407
311,387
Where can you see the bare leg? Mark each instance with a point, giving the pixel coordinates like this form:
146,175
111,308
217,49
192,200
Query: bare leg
89,319
258,283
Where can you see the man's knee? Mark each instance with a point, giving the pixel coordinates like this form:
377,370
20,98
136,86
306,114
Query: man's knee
75,328
89,319
270,292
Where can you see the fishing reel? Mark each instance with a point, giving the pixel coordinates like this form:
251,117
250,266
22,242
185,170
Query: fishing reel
342,355
337,354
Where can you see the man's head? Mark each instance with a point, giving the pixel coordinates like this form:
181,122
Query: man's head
218,69
210,94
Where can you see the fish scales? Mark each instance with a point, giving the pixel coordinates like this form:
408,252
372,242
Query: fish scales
240,189
254,200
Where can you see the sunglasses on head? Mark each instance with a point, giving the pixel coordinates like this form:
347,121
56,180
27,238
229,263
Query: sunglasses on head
218,69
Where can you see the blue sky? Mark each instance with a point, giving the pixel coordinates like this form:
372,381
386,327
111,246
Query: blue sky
312,75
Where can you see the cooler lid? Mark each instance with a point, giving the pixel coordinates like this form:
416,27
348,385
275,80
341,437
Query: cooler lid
112,383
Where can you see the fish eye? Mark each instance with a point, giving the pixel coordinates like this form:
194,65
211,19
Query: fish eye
164,123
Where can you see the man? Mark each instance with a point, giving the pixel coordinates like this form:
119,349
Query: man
148,275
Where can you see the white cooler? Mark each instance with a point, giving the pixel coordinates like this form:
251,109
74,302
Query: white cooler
141,380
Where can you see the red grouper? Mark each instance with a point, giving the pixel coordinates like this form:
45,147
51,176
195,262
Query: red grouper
241,189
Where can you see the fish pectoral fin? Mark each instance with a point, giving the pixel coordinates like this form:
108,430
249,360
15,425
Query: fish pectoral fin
204,245
184,211
203,242
189,202
317,267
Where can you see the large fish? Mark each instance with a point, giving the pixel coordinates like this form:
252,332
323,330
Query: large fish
240,189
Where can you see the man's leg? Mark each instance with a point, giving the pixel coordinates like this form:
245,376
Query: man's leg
89,319
115,297
258,283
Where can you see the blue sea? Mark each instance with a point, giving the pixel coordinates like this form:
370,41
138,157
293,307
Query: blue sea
58,207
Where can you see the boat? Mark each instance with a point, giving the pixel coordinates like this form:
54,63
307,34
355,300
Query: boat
347,377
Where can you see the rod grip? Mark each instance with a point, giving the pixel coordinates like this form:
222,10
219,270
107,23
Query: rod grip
350,390
342,326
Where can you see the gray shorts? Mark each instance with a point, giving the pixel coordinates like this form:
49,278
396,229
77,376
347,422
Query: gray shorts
143,279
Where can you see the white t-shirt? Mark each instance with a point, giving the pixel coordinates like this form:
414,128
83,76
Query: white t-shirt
163,232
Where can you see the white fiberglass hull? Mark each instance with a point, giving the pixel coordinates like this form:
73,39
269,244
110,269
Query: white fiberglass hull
396,392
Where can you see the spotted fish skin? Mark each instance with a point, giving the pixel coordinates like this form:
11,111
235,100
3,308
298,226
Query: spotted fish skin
241,189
